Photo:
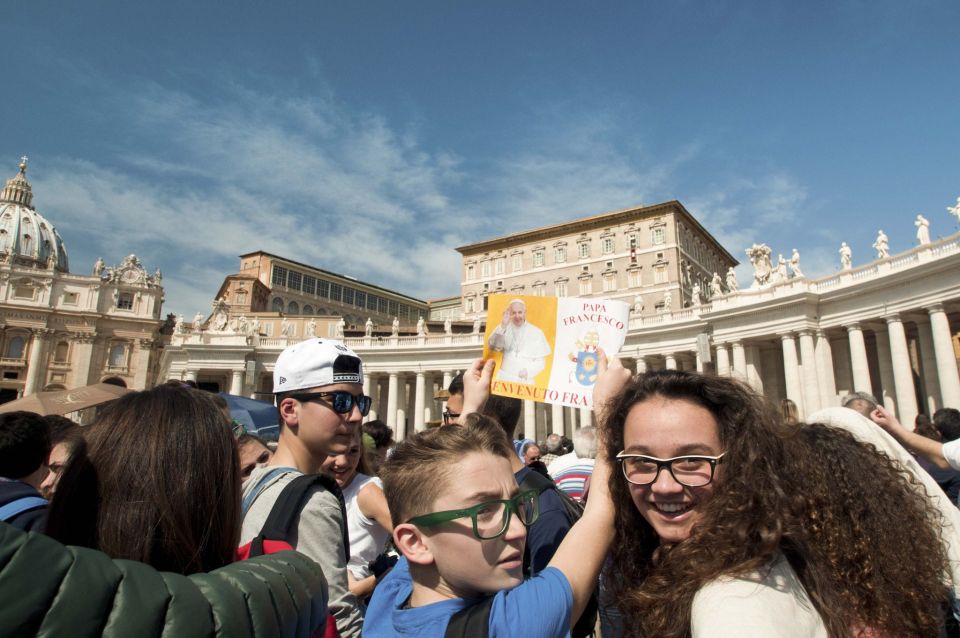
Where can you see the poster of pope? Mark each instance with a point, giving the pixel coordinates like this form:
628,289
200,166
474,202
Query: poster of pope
524,346
548,349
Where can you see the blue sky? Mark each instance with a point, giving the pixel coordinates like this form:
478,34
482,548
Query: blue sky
371,138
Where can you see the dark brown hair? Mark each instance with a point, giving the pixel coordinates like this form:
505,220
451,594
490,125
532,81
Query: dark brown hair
420,467
156,480
780,493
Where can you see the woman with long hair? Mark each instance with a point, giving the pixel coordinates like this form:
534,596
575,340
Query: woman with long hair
368,517
157,481
731,523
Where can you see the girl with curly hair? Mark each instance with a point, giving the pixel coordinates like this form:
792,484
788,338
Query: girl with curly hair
729,523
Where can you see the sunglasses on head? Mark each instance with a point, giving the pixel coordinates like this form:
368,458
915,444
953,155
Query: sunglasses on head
340,401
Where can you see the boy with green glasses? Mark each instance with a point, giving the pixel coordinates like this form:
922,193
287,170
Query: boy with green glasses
460,523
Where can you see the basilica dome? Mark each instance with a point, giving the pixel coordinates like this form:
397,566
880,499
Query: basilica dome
25,234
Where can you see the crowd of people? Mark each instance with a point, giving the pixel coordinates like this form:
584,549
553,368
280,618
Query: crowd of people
693,507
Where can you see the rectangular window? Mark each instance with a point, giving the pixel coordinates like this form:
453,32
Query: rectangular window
560,254
561,289
71,298
470,272
517,263
485,269
360,300
537,258
372,301
609,282
660,275
279,276
539,289
658,236
293,280
336,290
586,286
381,305
309,285
500,265
394,308
607,245
125,301
323,288
584,249
634,278
348,295
471,304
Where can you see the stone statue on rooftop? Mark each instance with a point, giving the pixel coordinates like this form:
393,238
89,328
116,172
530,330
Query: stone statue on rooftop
882,244
695,294
955,210
759,255
846,256
781,273
716,286
667,301
447,326
368,328
421,327
795,263
395,329
338,329
638,305
732,285
99,266
476,326
312,328
923,230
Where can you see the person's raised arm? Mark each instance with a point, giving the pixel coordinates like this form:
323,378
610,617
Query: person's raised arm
927,448
583,550
476,387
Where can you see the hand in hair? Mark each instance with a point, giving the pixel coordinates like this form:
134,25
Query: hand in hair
476,386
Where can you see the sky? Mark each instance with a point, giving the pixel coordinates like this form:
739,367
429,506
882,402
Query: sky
372,138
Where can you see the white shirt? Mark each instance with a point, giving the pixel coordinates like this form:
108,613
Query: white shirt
524,349
367,537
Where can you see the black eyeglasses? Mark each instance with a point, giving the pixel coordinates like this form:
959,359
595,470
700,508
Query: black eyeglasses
449,417
691,471
342,401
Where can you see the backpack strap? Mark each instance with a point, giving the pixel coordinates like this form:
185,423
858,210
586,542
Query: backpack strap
262,483
471,622
286,510
21,505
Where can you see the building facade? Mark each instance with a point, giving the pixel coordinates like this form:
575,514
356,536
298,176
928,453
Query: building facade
888,327
63,330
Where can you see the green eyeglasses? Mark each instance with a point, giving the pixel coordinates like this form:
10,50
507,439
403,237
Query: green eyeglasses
491,519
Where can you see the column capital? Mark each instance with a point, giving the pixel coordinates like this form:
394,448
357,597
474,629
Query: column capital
42,333
934,307
854,325
787,336
894,318
805,332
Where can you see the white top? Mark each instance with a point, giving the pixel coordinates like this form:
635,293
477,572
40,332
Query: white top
772,602
367,537
951,452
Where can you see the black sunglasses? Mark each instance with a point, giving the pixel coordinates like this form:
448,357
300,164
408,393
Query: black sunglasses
342,401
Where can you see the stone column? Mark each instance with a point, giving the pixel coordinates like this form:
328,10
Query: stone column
826,383
190,375
902,372
946,359
723,359
670,361
571,421
83,357
447,378
529,419
236,382
556,419
36,370
791,371
739,360
754,368
144,349
641,365
367,385
586,417
418,402
858,359
928,361
888,392
392,392
698,361
811,385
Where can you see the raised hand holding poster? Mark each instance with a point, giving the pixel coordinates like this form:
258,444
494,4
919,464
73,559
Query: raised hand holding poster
546,348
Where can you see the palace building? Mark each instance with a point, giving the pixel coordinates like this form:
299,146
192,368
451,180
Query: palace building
63,330
887,327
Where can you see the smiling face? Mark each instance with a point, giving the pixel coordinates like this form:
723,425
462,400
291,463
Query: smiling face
343,466
467,566
665,428
518,314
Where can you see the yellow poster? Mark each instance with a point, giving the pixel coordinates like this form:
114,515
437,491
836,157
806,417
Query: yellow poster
546,348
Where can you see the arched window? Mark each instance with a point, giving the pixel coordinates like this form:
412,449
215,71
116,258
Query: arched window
308,309
61,352
293,308
277,305
15,348
26,244
118,355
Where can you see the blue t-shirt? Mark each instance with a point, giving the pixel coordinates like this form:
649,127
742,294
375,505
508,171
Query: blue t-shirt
537,608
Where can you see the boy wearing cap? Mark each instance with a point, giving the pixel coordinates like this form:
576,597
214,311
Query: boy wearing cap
318,385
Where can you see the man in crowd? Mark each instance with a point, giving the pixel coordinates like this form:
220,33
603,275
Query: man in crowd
572,471
554,448
523,345
318,385
24,450
860,402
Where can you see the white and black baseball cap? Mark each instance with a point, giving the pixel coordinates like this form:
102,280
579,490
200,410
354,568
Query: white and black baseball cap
315,363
